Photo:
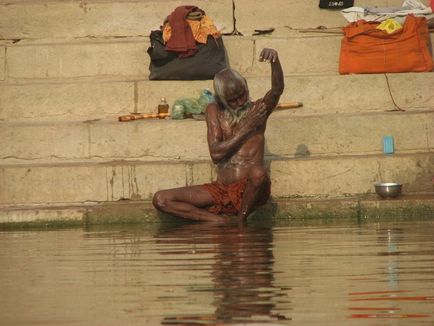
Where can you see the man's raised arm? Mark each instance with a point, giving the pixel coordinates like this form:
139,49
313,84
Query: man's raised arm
271,99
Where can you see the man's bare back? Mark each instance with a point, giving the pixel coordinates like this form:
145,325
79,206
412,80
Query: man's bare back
235,134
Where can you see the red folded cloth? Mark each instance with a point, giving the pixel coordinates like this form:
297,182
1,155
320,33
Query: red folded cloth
182,40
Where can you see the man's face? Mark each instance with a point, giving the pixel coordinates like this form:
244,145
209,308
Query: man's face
237,98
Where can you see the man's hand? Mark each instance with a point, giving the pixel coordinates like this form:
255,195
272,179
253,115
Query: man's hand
255,117
268,55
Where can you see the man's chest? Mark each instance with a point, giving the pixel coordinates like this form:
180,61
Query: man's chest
228,129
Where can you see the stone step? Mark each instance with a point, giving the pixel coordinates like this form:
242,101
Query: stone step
161,140
132,211
300,54
302,177
84,19
52,214
107,99
127,58
33,19
283,15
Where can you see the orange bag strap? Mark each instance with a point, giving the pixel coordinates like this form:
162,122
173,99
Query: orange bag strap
357,28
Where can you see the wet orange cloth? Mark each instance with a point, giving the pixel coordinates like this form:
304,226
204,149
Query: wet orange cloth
228,198
366,49
199,28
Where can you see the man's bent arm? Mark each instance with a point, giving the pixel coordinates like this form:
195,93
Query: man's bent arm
220,149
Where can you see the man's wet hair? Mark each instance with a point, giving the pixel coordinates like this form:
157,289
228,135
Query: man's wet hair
227,79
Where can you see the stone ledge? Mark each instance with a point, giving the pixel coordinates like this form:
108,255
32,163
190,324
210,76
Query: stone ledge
288,135
37,100
359,209
34,19
339,176
253,14
127,57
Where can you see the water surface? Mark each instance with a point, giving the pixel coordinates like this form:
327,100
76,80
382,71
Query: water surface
341,273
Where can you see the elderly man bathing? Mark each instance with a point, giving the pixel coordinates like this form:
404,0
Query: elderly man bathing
236,128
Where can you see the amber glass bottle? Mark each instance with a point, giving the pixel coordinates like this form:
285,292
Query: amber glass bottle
163,107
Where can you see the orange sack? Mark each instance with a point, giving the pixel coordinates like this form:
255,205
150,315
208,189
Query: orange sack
366,49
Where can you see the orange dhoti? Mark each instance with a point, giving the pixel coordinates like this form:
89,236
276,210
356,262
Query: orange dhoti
228,198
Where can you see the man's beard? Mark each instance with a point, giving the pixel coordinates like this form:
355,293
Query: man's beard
234,116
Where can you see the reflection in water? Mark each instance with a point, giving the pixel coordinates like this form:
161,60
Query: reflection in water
242,272
391,237
366,274
392,266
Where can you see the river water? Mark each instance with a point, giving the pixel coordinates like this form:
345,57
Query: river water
340,273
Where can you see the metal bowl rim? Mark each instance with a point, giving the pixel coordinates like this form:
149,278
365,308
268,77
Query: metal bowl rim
388,184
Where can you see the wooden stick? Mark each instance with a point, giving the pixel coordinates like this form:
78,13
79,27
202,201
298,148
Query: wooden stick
288,105
139,116
323,31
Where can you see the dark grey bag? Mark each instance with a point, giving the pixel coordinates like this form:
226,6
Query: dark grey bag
335,4
209,59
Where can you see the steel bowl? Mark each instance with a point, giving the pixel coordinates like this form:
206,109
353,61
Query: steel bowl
388,189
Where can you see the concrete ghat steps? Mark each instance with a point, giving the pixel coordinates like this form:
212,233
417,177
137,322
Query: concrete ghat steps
300,54
137,180
63,82
106,99
163,140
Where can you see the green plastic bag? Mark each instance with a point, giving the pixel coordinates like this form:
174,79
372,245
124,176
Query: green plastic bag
187,107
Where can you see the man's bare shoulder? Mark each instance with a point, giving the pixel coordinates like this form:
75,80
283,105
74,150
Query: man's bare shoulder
213,106
212,110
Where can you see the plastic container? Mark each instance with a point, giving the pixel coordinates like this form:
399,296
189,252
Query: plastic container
388,146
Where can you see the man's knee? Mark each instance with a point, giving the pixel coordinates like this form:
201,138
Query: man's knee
258,175
160,200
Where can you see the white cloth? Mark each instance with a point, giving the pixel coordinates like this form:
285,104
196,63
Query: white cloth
414,7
